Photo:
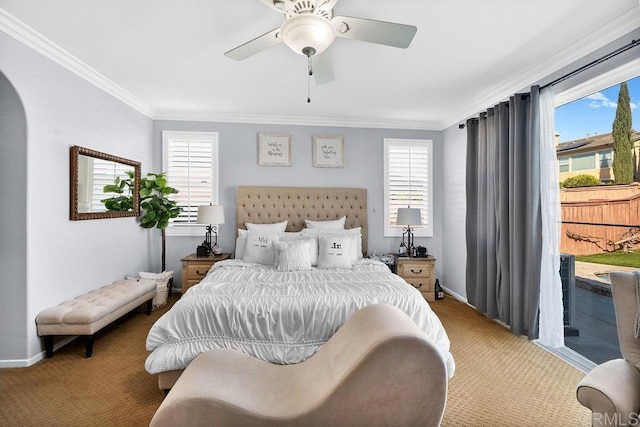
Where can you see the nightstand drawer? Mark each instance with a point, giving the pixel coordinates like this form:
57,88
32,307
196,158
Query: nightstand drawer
197,271
409,270
421,284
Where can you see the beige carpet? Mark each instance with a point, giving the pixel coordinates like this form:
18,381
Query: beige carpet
504,380
500,380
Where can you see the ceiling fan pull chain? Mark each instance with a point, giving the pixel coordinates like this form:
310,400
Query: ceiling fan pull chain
309,79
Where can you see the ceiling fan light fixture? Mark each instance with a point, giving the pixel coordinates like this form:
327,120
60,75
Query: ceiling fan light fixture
307,31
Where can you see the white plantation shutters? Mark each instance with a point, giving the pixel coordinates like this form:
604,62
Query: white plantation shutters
191,164
408,182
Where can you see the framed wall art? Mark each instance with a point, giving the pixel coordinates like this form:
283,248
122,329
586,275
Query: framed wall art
274,149
328,151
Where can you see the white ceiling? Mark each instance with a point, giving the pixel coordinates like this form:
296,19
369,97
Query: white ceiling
165,57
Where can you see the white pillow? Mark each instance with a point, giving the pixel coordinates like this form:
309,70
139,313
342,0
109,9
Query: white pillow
241,241
276,227
353,232
335,224
313,246
335,251
293,256
259,247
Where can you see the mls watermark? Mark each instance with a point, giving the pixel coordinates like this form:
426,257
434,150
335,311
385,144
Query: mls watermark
621,420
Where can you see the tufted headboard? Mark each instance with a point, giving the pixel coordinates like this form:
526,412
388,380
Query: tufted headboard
295,204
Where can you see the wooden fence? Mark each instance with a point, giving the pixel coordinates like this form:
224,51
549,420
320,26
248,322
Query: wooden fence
599,219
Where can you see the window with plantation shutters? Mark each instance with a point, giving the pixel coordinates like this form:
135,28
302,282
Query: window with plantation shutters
408,183
191,166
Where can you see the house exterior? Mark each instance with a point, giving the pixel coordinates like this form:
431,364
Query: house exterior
592,155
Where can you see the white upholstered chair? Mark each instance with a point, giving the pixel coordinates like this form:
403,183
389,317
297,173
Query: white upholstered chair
612,390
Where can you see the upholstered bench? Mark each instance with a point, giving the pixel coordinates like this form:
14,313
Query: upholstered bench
378,369
87,314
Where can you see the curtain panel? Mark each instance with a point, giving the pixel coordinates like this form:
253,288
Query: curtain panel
504,218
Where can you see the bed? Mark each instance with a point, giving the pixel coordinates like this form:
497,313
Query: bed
285,316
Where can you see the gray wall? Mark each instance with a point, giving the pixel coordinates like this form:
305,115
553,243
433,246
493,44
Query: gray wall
58,259
13,221
363,168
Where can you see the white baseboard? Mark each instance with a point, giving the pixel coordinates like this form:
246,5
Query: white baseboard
25,363
456,296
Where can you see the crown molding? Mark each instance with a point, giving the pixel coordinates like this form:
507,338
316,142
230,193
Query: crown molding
296,120
36,41
609,31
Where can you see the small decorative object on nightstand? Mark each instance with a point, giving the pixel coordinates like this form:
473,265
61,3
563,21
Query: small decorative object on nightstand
419,272
194,268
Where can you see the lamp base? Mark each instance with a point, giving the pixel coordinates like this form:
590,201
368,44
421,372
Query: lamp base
202,250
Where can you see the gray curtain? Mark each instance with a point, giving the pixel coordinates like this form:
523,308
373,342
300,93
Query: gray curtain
503,221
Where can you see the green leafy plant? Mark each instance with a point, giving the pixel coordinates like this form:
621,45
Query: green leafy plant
158,208
123,188
583,180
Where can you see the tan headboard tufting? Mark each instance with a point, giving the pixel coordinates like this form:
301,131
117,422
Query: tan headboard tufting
274,204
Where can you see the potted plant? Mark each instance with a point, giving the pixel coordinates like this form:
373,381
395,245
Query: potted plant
158,208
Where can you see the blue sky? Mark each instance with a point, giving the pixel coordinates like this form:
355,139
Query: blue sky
595,113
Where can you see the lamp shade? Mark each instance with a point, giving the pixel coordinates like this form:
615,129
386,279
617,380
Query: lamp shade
409,216
210,215
307,30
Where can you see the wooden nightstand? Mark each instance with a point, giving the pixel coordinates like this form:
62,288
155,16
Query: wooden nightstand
420,272
194,268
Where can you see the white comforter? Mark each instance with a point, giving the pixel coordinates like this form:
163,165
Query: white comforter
279,317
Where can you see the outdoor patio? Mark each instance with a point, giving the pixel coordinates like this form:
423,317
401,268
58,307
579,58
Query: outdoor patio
594,316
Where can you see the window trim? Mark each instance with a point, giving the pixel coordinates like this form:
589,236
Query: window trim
193,229
425,231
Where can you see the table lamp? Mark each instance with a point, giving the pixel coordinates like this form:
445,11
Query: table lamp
408,216
212,216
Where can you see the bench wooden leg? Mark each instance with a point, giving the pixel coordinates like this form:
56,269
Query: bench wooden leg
88,345
149,306
48,346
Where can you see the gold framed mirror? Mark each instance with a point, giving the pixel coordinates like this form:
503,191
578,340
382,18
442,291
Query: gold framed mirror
103,185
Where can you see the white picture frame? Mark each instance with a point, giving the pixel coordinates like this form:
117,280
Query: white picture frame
328,151
274,149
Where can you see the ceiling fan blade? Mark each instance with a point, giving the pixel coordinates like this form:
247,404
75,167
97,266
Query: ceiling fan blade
322,68
254,46
369,30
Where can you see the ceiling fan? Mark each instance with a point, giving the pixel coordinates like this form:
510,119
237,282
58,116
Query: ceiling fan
310,27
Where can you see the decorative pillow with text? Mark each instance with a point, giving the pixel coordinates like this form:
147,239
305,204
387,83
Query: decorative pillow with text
259,247
335,251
